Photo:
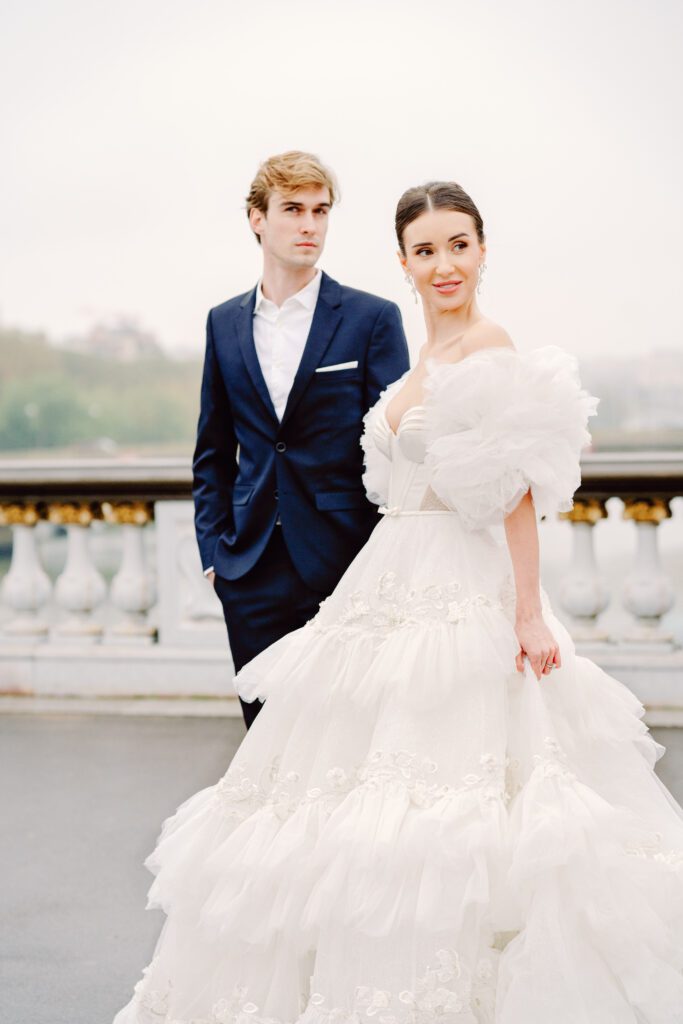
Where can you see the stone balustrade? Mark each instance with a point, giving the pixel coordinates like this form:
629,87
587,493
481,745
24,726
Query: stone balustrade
143,621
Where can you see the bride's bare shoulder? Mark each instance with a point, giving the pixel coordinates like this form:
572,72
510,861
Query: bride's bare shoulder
485,334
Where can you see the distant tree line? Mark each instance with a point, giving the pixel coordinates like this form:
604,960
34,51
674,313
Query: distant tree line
77,401
55,398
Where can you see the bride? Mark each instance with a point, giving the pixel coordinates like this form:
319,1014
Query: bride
442,814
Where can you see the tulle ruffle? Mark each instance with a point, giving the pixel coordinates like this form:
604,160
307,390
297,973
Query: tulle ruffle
500,423
414,832
376,448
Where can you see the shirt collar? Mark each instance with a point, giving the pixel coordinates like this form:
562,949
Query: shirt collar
307,297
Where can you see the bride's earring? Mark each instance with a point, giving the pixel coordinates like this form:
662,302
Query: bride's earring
411,285
482,271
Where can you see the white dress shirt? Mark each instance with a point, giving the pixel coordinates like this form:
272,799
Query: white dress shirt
280,334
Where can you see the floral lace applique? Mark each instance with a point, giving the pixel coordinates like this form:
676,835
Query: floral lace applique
652,849
459,610
415,773
553,763
154,1001
239,796
497,778
491,779
447,987
392,604
237,1009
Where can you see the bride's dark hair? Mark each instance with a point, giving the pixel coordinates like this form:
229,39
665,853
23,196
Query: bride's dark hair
435,195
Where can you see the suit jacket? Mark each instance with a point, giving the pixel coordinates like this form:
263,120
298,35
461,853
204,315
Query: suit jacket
249,467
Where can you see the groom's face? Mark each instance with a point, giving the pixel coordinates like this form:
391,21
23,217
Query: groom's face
293,229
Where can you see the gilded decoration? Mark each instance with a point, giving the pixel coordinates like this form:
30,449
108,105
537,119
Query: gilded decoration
586,510
647,510
128,513
21,513
74,513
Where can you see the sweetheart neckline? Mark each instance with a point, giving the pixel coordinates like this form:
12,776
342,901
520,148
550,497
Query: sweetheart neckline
411,408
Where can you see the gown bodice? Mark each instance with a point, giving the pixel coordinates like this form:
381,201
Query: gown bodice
490,427
409,489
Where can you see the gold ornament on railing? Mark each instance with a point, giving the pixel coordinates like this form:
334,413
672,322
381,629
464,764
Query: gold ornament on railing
74,513
586,510
21,513
128,513
647,510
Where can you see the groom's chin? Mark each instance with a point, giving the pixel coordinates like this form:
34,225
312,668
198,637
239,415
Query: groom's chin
306,257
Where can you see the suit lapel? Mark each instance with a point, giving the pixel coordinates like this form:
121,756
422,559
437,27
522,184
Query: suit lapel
325,322
245,336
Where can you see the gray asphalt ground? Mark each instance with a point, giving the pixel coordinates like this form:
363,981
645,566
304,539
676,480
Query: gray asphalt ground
82,800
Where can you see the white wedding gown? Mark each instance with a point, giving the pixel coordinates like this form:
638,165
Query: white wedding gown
412,831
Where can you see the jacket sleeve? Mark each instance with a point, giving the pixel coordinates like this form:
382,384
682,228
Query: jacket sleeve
214,465
501,424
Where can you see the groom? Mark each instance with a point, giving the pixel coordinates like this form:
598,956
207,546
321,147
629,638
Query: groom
291,367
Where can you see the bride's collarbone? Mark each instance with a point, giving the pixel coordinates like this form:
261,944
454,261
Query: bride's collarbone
411,393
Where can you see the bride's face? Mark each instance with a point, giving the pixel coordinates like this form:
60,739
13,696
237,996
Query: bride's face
443,255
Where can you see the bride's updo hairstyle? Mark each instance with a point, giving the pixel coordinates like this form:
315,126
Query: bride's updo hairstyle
435,195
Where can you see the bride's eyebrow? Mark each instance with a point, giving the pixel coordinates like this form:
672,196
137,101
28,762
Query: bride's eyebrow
461,234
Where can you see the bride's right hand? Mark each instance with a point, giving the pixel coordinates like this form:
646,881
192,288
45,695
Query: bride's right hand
538,644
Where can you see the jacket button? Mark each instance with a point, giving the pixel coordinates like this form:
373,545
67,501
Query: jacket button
281,446
276,494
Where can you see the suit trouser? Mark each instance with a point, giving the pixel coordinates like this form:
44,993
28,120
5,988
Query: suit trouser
264,605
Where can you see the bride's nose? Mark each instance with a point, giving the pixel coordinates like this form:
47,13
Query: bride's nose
446,265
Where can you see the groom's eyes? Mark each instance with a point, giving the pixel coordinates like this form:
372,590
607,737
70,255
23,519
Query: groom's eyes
299,209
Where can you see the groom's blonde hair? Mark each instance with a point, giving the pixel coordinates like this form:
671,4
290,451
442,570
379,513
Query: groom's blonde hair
287,173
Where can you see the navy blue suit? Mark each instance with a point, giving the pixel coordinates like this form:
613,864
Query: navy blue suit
249,468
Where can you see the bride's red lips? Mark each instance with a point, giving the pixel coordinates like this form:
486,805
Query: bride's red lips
445,284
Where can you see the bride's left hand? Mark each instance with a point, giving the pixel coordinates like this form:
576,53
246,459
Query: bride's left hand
538,644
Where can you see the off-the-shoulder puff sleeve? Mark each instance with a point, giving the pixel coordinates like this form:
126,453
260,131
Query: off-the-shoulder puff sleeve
376,444
501,423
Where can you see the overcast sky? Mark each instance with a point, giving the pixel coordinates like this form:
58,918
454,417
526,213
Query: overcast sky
131,131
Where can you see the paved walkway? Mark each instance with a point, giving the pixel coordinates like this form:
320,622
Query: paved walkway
82,799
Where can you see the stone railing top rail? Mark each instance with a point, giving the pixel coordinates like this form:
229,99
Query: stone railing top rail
149,478
604,474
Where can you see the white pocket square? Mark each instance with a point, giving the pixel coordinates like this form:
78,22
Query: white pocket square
338,366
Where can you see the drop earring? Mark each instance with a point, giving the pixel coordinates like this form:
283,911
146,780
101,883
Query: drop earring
482,271
411,285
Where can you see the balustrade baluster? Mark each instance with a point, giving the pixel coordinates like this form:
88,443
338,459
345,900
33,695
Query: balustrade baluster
583,592
648,592
80,588
133,589
26,586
